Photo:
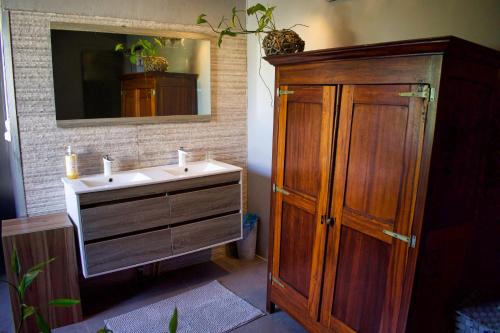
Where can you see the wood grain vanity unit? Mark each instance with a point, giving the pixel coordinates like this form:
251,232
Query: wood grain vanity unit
159,94
36,240
385,184
129,226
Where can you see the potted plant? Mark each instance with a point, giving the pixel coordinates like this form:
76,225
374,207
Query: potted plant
20,287
146,50
284,41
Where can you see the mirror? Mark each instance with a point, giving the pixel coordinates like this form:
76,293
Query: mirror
111,77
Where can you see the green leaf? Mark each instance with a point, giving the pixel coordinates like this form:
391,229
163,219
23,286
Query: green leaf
158,42
219,40
233,18
147,44
42,324
104,330
225,32
201,19
27,311
172,326
133,58
26,281
262,23
15,264
41,265
119,47
256,8
64,302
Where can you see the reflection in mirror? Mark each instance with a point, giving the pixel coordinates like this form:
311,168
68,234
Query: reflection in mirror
112,75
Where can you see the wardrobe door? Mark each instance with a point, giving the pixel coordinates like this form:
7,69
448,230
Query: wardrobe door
374,187
300,200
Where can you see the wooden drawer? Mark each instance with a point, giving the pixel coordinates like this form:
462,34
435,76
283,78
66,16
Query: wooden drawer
115,219
128,251
138,191
202,234
203,203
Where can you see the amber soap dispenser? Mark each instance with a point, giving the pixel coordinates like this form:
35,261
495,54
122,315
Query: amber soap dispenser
71,164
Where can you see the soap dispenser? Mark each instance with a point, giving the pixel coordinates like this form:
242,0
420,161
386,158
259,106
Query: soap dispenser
71,164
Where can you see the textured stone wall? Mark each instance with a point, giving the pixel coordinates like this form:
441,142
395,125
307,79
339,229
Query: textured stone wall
133,146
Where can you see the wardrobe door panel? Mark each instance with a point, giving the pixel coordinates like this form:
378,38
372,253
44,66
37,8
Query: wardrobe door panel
300,200
362,267
297,240
302,147
374,189
375,160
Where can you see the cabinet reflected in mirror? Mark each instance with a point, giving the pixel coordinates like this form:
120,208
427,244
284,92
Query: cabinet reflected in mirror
107,77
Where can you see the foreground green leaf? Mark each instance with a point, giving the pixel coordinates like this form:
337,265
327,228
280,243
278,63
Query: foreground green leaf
26,281
27,311
173,322
41,324
41,265
15,264
64,302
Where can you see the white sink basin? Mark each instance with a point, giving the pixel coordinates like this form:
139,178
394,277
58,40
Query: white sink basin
117,179
195,168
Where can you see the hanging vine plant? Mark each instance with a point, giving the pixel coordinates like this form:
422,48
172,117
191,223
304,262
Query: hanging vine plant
284,41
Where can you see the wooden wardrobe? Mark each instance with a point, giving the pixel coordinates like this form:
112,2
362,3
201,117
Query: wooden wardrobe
153,94
386,185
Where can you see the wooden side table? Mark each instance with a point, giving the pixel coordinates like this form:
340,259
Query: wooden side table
38,239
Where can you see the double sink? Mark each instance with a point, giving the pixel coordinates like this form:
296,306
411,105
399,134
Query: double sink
148,176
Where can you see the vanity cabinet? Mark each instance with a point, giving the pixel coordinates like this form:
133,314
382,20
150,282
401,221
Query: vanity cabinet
126,227
380,174
158,94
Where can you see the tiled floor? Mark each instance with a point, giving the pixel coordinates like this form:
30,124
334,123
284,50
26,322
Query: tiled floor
117,295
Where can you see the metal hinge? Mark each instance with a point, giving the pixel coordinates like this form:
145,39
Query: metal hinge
275,280
411,240
280,92
280,190
424,92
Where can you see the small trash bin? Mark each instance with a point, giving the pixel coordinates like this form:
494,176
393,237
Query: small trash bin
246,246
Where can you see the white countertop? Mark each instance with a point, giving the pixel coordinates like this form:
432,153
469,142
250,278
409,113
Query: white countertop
146,176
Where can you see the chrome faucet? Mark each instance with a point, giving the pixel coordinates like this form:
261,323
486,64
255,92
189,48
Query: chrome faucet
107,161
182,156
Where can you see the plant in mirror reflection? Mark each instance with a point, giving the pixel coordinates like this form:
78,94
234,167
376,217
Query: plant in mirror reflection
141,48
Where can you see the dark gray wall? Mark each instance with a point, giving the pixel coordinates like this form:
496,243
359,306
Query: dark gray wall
7,204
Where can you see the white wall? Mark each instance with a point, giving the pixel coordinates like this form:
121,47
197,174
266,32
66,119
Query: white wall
344,23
